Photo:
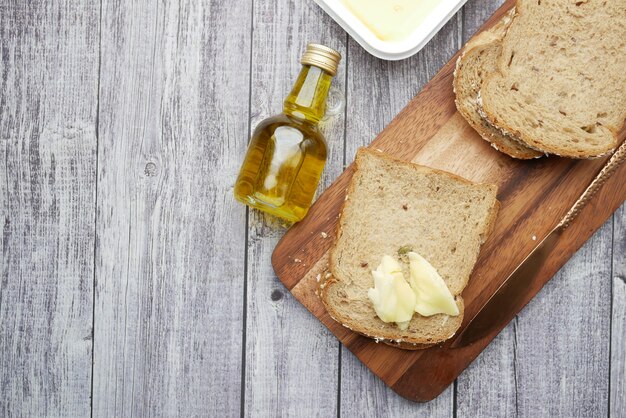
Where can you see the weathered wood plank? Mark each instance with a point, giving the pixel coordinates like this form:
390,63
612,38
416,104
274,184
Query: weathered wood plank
48,101
562,337
291,358
617,379
377,91
475,14
170,250
363,394
487,387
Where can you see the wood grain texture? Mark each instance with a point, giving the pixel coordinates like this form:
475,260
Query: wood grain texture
487,388
48,102
169,92
429,132
171,239
617,377
362,391
562,338
391,85
291,359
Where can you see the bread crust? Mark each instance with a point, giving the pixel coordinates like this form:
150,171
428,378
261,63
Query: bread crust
532,144
498,140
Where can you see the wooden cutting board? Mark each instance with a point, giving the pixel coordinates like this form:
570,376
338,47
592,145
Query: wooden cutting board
534,196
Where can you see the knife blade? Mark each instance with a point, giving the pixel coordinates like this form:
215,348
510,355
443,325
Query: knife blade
512,291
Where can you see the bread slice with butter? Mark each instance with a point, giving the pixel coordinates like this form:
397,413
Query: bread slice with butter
393,206
477,61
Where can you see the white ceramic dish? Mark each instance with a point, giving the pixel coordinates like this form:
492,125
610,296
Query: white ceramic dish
391,50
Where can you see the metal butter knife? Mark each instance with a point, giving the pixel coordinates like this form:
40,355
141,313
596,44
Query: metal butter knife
490,317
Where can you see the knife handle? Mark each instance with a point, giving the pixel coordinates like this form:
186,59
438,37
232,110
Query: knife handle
616,159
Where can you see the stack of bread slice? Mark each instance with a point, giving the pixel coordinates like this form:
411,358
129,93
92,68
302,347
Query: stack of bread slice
393,205
549,78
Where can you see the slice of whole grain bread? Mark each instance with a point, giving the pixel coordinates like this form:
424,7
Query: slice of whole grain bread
477,61
393,204
560,84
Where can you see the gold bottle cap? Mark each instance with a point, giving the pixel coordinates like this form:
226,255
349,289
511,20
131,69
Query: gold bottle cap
321,56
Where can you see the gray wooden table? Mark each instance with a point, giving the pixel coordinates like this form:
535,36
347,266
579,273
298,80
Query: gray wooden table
131,281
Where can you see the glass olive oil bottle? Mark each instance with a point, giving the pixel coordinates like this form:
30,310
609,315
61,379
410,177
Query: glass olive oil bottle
287,152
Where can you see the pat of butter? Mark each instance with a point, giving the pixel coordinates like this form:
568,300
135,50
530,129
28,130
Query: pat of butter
392,297
391,20
433,295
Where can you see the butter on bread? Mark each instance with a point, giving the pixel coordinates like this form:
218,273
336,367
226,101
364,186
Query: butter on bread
393,204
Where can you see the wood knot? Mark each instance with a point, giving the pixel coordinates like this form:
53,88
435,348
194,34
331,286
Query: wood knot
276,295
150,170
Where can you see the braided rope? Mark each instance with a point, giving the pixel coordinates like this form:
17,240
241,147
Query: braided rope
616,159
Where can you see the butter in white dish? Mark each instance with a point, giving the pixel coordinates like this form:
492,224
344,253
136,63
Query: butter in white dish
392,20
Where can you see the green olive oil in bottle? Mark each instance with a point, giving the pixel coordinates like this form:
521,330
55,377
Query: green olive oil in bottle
287,152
